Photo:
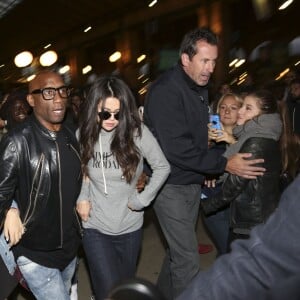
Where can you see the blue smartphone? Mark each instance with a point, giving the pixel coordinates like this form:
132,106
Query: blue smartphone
214,119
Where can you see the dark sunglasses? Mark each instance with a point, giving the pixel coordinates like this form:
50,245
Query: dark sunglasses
105,115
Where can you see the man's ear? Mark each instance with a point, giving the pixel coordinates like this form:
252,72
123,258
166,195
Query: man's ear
30,100
185,59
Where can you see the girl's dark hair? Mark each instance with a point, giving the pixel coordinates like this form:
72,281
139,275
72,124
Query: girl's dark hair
189,42
122,145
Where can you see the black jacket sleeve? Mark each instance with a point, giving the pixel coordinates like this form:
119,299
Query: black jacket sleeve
233,185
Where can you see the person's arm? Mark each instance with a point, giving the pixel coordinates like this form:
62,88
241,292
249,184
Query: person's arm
167,117
255,266
83,205
152,152
233,185
244,165
13,228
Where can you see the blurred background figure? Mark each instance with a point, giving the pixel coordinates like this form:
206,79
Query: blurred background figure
75,102
287,79
15,109
293,103
223,89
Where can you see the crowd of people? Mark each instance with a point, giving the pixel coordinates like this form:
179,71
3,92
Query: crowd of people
73,171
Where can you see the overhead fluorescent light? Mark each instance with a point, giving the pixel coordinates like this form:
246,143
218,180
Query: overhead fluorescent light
152,3
285,4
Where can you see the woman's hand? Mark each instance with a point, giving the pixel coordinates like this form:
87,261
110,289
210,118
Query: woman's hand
141,183
83,208
220,135
13,228
213,133
225,137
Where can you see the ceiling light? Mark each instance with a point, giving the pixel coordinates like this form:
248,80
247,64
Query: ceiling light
29,78
64,69
1,66
233,62
115,56
48,58
47,46
87,29
141,58
285,4
240,62
86,69
23,59
152,3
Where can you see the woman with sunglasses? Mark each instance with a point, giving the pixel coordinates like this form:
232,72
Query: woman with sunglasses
114,143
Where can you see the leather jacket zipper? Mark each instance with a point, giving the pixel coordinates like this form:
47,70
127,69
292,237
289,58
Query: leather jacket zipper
60,196
32,202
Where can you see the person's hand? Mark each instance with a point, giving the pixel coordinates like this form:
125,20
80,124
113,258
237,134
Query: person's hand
213,133
240,164
210,183
141,183
83,208
13,228
225,137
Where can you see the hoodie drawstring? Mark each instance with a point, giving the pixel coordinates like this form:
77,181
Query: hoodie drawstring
102,165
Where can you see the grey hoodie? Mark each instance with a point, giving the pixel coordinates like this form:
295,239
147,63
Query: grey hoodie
110,194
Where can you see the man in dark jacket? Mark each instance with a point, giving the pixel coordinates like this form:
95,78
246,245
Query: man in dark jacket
176,111
266,266
40,170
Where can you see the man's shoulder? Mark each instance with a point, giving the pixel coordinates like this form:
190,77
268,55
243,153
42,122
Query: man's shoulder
169,77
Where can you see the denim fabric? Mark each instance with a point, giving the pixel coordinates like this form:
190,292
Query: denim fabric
47,283
218,227
111,258
5,252
7,255
177,209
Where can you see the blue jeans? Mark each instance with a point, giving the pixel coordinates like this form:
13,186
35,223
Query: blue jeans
217,225
111,258
177,209
47,283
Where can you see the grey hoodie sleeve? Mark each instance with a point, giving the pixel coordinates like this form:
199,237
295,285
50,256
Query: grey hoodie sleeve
85,191
152,152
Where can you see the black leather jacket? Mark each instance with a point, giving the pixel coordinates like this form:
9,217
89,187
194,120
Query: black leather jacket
29,160
251,200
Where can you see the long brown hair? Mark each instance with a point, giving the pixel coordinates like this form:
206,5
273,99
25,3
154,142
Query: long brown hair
290,145
122,146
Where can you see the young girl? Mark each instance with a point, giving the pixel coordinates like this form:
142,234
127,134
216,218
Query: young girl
114,143
258,131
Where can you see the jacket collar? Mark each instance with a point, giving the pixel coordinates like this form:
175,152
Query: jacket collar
52,135
201,90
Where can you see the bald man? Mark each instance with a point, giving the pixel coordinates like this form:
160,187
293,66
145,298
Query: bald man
40,170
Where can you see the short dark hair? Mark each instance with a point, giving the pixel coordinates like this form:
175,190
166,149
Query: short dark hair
188,44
